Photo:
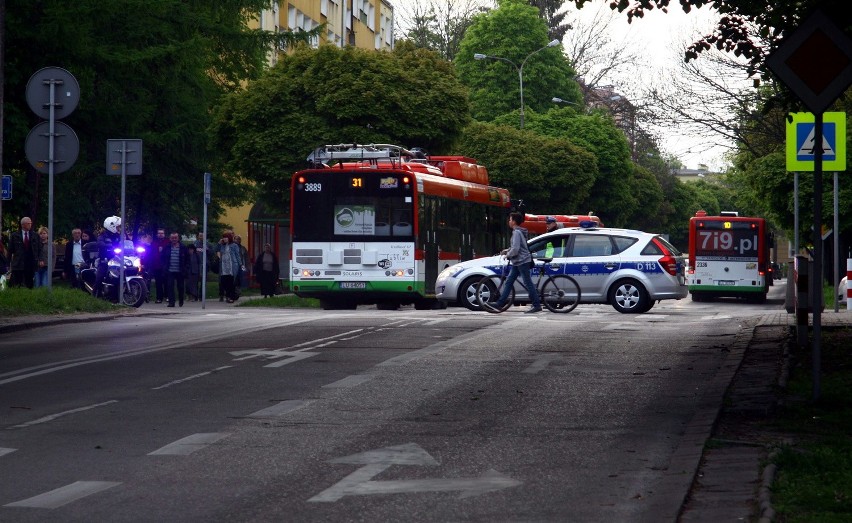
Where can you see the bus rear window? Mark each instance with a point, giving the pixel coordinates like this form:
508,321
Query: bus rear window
341,206
727,240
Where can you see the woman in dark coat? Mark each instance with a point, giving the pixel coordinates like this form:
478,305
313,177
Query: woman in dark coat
266,271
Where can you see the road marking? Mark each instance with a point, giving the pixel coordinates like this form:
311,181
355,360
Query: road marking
4,451
64,495
188,445
293,357
279,409
349,381
540,363
47,368
374,462
199,375
59,415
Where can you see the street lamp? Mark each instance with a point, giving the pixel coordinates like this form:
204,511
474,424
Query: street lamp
480,56
558,100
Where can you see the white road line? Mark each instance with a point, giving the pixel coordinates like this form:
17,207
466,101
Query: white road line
293,357
64,495
30,372
60,414
199,375
349,381
280,409
188,445
4,451
310,342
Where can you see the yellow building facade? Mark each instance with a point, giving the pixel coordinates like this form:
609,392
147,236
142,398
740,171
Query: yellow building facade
366,24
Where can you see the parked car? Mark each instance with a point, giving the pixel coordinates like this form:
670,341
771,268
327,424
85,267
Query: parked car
630,270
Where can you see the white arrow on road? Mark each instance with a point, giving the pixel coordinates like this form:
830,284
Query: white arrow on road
374,462
270,354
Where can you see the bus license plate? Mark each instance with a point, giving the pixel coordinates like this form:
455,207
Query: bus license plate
353,285
726,282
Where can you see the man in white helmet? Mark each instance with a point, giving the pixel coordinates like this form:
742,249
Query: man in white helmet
107,240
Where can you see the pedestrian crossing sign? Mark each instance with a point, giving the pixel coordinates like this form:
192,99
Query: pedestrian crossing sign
801,142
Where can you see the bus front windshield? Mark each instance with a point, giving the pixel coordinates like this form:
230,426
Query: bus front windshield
334,205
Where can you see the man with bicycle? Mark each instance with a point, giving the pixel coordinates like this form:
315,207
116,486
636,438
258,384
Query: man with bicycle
519,256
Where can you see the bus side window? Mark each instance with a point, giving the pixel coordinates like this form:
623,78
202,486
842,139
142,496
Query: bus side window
402,229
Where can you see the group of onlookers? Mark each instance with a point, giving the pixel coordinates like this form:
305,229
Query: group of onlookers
26,256
174,267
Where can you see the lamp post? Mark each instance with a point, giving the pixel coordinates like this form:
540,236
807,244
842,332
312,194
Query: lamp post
480,56
558,100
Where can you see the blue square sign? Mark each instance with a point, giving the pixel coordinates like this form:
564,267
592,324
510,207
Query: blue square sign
7,187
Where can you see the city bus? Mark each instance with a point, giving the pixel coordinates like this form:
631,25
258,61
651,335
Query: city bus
729,255
375,224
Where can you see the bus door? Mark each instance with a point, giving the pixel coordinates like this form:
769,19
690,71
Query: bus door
427,237
468,226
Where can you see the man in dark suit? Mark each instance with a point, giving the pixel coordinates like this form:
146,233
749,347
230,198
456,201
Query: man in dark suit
174,261
73,258
23,248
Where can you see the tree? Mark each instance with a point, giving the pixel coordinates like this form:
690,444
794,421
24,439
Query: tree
147,69
740,21
512,32
330,95
551,175
593,53
549,11
437,25
612,196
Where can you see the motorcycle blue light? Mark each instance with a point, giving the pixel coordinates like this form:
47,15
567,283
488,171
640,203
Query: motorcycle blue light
117,250
140,250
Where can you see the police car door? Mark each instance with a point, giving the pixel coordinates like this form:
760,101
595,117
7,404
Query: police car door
592,259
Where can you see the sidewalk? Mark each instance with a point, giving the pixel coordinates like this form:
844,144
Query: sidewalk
731,483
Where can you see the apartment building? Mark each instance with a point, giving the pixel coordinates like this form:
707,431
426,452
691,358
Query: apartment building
366,24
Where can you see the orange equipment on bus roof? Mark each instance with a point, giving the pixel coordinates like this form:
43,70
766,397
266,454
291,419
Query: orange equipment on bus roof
537,223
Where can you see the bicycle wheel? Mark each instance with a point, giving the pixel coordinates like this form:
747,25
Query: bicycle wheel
560,293
488,293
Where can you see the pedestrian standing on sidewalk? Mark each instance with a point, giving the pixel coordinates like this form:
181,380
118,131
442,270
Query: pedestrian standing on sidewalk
42,265
229,264
173,261
266,271
23,252
193,272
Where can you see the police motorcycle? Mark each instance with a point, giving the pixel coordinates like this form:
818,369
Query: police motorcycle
108,256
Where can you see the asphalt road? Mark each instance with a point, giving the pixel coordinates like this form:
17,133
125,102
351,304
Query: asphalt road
296,415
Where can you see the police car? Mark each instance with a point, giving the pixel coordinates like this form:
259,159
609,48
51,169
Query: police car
630,270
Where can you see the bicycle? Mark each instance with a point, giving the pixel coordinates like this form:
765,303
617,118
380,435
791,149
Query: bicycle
559,292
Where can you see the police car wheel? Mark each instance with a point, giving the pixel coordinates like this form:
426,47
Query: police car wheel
467,294
629,297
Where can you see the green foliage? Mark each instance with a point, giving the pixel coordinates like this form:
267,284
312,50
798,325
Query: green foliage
551,175
147,69
18,301
409,97
814,476
613,196
513,32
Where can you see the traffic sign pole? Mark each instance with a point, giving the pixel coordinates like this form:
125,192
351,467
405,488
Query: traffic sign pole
816,288
50,159
52,77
